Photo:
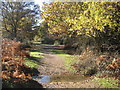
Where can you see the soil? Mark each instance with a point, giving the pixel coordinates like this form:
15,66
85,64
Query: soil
52,65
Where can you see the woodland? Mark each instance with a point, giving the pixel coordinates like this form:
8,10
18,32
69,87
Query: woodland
88,31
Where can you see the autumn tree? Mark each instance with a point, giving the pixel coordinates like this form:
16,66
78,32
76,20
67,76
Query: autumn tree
19,19
96,20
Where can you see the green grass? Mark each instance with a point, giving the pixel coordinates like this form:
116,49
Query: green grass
36,56
31,63
57,51
37,42
69,60
107,82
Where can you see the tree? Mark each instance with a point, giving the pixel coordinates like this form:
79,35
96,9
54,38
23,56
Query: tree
97,20
57,14
19,19
84,18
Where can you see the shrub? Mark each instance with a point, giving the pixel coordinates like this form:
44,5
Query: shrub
86,63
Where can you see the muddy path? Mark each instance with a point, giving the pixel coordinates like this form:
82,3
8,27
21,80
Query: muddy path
53,65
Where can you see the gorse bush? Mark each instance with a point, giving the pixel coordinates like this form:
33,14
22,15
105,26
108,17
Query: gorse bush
12,60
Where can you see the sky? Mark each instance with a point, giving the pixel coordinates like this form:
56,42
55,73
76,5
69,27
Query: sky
40,2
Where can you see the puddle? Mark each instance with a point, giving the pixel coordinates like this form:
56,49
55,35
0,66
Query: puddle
65,78
69,78
42,78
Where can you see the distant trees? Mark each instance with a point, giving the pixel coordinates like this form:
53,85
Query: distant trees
97,20
19,20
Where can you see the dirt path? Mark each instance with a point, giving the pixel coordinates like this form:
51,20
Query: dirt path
54,64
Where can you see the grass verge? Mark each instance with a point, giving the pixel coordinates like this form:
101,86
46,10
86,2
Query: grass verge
107,82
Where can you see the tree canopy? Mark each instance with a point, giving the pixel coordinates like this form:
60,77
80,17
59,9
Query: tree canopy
19,19
82,17
97,20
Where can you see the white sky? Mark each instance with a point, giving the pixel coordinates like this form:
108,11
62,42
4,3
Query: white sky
40,2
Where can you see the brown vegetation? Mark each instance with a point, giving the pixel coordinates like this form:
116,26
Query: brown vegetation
12,60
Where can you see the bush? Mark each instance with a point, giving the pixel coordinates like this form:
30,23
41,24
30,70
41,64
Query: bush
86,63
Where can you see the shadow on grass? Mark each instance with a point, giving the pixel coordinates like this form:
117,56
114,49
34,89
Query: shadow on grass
37,50
58,49
36,59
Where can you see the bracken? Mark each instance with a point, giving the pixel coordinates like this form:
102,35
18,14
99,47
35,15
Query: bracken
12,60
